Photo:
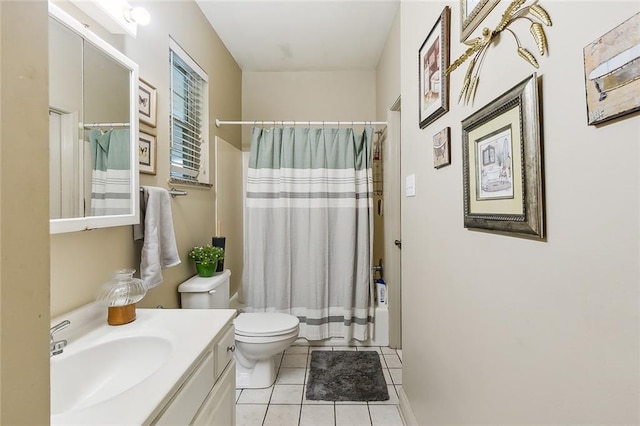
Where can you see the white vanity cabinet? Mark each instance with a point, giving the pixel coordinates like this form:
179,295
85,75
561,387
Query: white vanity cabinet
207,395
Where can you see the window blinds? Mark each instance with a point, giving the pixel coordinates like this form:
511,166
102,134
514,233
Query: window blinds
186,118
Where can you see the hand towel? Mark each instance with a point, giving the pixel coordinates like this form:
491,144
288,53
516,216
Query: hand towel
159,250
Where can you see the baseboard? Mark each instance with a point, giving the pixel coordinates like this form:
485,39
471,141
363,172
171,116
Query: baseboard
408,418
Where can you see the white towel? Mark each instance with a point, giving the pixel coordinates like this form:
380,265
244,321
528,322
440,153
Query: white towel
159,249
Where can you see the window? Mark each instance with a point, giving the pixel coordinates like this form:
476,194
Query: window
188,116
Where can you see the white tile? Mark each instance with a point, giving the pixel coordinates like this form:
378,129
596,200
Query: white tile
320,348
387,376
300,350
393,397
281,415
387,350
351,402
294,361
313,401
317,415
352,415
287,394
385,415
399,351
250,415
369,349
291,376
238,392
393,361
396,375
255,396
344,348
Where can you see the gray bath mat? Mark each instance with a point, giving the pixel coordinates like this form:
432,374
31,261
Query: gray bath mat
346,376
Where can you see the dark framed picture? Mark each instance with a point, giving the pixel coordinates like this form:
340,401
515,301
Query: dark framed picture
147,100
433,60
472,13
147,148
442,148
612,73
502,164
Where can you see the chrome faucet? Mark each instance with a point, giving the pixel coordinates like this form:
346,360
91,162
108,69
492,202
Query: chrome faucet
56,347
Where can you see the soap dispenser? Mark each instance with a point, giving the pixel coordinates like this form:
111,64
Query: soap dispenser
120,295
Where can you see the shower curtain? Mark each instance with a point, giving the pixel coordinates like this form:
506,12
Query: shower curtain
110,177
309,229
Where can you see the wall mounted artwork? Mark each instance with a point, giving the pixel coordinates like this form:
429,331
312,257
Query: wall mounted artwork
442,148
472,13
502,164
147,99
147,148
612,72
479,46
433,60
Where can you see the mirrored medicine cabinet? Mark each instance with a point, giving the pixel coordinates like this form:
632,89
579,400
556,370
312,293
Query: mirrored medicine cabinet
93,129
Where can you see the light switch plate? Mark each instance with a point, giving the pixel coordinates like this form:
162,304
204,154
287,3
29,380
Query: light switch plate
410,186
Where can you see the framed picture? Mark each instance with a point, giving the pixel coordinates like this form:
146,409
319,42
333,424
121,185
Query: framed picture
147,153
612,72
433,60
472,12
502,164
147,99
442,148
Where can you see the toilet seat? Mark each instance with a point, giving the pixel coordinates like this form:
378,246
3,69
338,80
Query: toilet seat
265,324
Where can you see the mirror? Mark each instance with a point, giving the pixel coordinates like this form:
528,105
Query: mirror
93,130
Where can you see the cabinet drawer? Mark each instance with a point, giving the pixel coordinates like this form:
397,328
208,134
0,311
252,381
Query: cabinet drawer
224,350
181,409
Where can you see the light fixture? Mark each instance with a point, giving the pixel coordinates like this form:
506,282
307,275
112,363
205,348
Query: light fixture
116,16
138,15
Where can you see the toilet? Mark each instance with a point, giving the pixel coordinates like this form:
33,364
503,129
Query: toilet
258,336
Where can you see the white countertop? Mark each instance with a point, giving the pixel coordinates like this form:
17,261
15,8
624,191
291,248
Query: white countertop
190,331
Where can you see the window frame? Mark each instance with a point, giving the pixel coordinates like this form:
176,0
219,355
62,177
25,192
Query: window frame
203,178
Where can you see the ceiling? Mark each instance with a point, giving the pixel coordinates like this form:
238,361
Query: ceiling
302,35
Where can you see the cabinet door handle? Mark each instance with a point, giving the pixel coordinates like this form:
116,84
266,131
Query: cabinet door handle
231,348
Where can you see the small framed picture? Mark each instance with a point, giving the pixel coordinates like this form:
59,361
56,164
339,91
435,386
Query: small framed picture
612,73
147,153
147,100
433,60
472,13
502,164
442,148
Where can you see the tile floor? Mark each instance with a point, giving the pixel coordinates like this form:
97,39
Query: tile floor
285,404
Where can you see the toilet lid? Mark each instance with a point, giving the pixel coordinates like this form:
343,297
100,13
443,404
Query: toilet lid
265,324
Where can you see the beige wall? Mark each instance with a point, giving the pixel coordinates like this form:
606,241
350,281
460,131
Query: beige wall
24,214
82,261
314,96
388,72
553,337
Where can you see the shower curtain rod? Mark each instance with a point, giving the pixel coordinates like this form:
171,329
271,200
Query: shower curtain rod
303,123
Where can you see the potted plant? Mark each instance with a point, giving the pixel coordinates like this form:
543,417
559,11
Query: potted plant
206,259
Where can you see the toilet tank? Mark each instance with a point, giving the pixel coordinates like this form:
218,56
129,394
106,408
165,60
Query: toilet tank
206,293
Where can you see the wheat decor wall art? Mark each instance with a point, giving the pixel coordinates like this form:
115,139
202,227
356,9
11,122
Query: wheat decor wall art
479,46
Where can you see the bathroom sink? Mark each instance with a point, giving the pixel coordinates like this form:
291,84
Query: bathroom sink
98,373
127,374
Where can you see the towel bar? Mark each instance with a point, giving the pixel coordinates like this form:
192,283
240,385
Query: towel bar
173,192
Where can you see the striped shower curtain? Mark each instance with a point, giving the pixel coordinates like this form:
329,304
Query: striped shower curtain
111,176
309,229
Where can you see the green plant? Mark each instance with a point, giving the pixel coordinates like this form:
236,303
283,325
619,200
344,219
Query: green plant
207,254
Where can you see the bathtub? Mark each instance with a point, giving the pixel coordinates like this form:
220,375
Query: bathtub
380,329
